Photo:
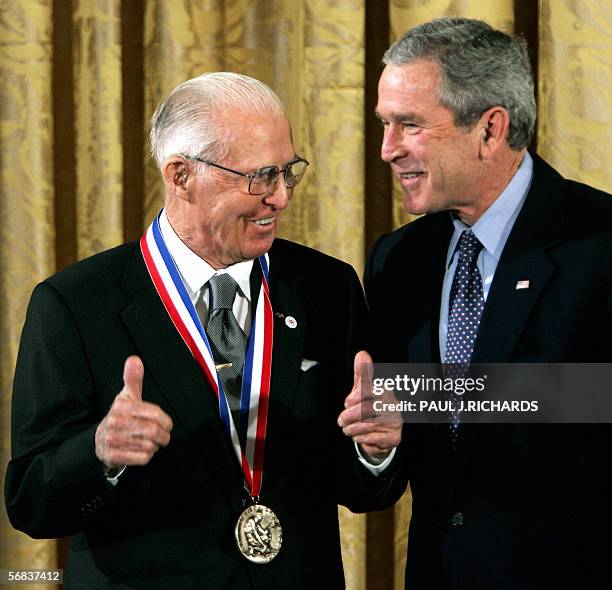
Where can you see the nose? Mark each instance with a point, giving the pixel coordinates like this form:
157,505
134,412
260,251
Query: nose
278,195
392,146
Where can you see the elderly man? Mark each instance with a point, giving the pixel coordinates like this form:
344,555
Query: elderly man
525,254
216,462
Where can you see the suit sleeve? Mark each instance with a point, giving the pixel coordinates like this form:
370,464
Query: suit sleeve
54,481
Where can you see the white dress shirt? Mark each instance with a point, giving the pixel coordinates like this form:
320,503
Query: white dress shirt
196,273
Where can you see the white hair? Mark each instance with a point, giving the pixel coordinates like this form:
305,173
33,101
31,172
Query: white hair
186,122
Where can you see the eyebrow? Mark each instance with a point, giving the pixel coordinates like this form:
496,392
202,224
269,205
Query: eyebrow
294,159
402,118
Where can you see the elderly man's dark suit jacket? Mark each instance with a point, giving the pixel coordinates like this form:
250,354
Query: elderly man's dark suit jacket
171,524
515,506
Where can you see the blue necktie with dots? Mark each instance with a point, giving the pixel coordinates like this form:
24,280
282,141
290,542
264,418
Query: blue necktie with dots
466,303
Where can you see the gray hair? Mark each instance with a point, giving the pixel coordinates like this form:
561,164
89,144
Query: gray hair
187,121
480,68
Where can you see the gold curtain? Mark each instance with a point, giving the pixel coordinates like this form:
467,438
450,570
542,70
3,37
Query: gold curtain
97,124
26,207
80,78
575,89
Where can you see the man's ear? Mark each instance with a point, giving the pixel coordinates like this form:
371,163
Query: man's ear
493,127
175,175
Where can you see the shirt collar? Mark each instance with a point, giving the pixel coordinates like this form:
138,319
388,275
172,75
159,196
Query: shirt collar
195,271
495,224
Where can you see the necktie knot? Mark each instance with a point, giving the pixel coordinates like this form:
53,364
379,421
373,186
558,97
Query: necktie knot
222,292
469,245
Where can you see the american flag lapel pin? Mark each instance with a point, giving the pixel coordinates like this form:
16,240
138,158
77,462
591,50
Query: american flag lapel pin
522,285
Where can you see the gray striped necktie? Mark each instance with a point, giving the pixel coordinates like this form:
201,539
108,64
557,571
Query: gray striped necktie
226,338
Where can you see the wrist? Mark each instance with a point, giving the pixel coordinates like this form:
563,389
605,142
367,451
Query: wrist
373,456
112,472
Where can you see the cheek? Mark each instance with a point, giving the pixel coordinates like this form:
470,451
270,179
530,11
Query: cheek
218,226
449,160
428,152
222,211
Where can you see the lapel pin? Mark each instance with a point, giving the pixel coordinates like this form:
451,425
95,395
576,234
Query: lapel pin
290,322
279,315
522,285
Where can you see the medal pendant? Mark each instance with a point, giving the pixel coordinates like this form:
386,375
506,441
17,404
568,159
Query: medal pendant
258,534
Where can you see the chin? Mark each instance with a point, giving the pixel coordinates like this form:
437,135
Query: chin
257,251
422,205
416,208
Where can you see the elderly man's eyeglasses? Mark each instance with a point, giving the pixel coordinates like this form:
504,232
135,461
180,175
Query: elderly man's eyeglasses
263,179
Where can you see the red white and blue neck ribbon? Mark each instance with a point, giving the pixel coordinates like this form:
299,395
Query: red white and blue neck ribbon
249,439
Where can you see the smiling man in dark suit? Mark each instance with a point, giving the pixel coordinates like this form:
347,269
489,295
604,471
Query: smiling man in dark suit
217,461
527,256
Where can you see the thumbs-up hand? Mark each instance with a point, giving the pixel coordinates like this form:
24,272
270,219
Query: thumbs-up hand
133,373
376,434
133,430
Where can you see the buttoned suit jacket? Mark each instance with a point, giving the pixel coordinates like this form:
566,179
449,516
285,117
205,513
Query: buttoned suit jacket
171,523
515,506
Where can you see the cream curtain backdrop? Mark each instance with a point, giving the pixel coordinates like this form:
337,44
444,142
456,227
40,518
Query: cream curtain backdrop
80,79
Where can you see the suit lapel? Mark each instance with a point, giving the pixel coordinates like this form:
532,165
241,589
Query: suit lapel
426,344
179,378
288,345
539,226
500,331
428,264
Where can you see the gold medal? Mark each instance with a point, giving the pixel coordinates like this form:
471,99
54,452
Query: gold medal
259,534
